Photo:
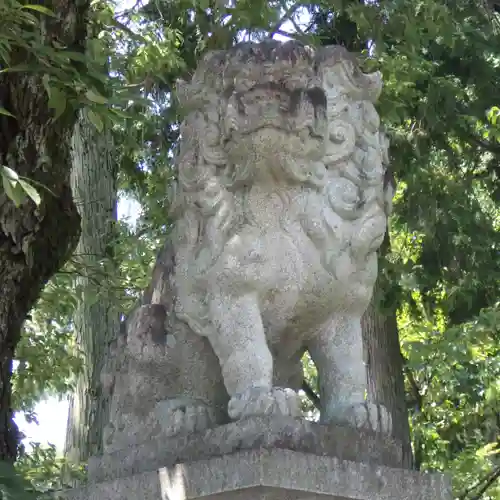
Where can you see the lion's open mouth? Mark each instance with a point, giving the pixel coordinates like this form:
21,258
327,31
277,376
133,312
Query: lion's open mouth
313,131
270,106
307,133
245,132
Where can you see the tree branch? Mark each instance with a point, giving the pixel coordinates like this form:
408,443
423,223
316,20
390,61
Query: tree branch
311,394
289,12
131,10
291,18
491,148
418,403
488,481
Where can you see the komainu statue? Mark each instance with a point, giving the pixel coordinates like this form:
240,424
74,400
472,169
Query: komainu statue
280,206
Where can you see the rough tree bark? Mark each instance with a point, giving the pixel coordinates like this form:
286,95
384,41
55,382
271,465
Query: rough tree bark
97,321
34,241
385,366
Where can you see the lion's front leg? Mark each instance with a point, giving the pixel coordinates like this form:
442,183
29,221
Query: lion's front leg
246,361
337,351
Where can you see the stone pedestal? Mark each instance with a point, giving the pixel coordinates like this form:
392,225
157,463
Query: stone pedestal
261,458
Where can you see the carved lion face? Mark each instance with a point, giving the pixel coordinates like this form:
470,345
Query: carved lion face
268,127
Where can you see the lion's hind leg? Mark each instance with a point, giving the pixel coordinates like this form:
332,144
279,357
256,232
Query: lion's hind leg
337,351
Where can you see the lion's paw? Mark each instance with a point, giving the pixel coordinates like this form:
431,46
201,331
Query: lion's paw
258,402
178,416
367,415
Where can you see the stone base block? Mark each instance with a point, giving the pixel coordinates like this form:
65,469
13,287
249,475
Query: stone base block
295,434
271,475
261,459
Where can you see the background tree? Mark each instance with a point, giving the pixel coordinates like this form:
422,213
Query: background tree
96,318
97,262
36,238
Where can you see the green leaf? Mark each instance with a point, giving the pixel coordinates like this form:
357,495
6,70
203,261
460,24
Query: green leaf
3,111
21,68
95,97
9,173
488,449
57,101
75,56
30,191
46,84
39,8
13,190
95,119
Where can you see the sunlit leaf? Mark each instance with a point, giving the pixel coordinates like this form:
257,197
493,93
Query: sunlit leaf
4,112
95,97
57,101
13,190
30,191
96,120
9,173
39,8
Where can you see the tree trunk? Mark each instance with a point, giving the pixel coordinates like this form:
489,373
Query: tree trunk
385,366
97,320
34,241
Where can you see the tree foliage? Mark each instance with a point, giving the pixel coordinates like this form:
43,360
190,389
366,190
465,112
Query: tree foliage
440,105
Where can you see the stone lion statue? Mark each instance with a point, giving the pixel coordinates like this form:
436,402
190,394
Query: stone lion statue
279,209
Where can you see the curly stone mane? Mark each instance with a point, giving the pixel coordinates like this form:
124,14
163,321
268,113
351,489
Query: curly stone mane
234,93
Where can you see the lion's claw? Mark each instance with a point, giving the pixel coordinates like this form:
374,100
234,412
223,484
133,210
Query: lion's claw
258,401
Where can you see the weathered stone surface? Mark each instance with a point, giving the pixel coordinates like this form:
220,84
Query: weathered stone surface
271,474
160,377
342,442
